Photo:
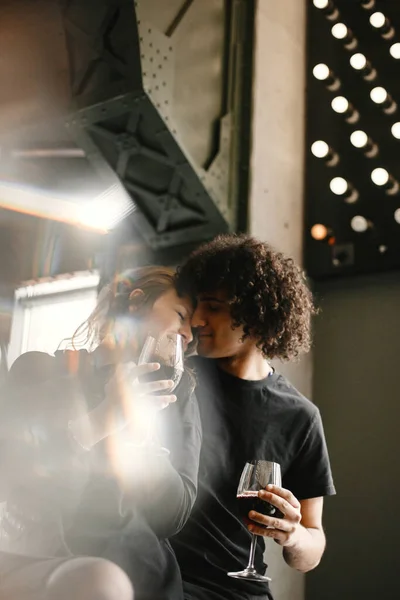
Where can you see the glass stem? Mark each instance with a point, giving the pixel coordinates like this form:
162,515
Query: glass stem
252,552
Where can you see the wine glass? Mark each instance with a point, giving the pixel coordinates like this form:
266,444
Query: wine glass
167,350
256,475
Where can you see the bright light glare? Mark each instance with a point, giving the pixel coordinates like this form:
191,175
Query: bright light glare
378,95
395,50
359,224
380,176
100,213
321,72
340,104
320,149
339,186
396,130
359,139
397,215
339,31
106,210
320,3
96,214
319,232
358,61
377,20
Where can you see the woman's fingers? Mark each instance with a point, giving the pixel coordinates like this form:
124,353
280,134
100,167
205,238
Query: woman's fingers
163,401
133,373
155,386
140,370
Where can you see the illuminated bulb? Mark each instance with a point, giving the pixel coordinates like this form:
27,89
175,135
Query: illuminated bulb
339,31
319,232
321,72
320,149
359,224
329,9
358,61
397,215
359,139
377,20
395,50
383,179
380,176
339,186
396,130
379,95
340,104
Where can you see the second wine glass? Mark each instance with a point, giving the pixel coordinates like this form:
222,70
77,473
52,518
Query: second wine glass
256,475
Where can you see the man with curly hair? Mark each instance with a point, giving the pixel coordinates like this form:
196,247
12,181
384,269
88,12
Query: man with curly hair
253,305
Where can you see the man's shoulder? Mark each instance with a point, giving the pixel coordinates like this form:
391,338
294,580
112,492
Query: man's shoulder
286,398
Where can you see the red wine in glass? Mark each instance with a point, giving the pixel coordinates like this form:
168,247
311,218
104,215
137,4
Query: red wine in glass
165,372
249,500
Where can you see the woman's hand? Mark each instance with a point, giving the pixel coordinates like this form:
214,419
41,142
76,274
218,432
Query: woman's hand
125,388
127,401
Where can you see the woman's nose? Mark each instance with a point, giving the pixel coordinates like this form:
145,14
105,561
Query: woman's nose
186,332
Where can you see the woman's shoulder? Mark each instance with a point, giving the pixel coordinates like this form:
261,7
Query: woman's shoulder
36,367
32,366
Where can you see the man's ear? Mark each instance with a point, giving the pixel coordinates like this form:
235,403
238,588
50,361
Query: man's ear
135,300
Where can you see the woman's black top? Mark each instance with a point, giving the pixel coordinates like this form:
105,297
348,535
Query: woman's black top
59,499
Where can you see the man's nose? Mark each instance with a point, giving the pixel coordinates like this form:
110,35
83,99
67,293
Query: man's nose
198,319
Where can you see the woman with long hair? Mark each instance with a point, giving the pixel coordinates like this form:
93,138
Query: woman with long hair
88,502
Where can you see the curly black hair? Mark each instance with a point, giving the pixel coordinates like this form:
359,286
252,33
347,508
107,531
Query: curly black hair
267,291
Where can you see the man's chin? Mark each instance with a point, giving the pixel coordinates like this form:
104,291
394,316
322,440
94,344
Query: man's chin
204,349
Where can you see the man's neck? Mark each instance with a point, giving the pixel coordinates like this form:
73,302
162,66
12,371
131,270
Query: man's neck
251,366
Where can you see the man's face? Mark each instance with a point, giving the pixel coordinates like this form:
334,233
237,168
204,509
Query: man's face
213,321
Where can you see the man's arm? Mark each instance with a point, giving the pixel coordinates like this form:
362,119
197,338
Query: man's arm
306,552
299,532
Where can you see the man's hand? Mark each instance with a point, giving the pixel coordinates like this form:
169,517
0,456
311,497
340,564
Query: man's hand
286,530
299,531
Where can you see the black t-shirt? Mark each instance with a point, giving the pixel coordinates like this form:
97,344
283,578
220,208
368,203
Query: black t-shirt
243,421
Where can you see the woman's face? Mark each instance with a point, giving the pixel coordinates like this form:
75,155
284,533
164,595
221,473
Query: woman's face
170,314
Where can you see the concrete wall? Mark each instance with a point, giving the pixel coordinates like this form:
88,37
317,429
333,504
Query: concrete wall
356,384
277,178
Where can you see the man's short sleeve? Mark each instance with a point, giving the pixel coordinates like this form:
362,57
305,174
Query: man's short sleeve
309,475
